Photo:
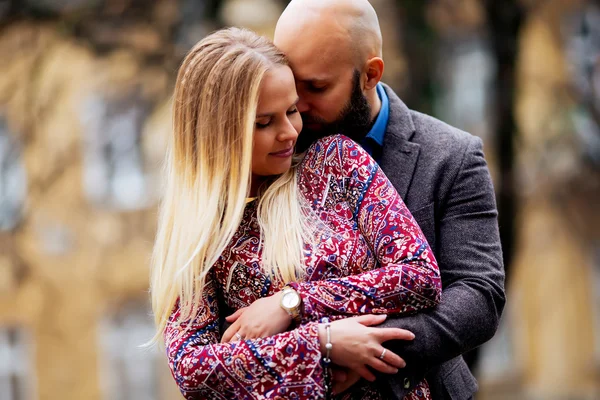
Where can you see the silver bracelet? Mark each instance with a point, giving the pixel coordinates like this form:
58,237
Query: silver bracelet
328,345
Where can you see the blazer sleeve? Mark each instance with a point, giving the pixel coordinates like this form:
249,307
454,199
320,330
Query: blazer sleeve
470,259
286,364
406,278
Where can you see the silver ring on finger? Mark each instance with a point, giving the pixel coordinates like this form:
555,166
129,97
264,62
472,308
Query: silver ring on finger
238,336
382,354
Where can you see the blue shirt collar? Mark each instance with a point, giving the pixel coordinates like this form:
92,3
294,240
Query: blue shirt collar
377,132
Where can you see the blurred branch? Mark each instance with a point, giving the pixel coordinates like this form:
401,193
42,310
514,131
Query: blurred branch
505,19
419,42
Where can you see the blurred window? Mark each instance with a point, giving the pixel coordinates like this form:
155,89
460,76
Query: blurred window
13,180
465,76
582,37
15,368
128,371
113,171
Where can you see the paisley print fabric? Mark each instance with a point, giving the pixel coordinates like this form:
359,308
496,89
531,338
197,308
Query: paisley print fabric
372,258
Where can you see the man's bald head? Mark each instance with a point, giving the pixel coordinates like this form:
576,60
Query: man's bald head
334,49
352,23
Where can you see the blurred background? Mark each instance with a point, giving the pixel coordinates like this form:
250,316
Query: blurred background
85,89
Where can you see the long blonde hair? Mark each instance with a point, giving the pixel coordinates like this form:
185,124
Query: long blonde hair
208,172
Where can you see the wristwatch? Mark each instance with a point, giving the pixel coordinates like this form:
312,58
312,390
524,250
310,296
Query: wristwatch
291,302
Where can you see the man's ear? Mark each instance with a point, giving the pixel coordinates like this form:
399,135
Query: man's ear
374,72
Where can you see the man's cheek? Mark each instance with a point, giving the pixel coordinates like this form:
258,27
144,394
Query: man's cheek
330,107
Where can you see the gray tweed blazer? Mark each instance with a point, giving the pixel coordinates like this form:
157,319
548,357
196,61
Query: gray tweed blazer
442,175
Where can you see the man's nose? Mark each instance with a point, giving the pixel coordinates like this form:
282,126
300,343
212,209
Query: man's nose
302,106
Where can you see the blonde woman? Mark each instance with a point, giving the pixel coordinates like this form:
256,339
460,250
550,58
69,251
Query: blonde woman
309,255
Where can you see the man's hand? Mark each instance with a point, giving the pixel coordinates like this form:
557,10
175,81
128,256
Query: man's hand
343,379
263,318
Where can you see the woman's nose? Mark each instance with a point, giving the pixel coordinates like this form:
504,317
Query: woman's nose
288,132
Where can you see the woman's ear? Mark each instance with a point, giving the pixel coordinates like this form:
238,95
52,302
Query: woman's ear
374,70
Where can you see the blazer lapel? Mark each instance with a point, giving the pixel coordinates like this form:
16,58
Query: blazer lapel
399,165
400,155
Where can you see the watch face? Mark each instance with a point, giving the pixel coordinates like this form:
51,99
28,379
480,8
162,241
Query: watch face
290,300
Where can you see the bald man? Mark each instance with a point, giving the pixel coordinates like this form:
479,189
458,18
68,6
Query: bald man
335,51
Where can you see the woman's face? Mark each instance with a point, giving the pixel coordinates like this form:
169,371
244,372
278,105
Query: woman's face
277,124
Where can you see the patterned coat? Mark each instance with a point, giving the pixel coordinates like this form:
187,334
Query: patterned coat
372,259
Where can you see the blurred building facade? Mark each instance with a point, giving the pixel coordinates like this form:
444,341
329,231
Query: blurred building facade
85,87
83,116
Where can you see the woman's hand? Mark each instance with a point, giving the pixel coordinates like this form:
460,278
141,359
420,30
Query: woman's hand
263,318
357,345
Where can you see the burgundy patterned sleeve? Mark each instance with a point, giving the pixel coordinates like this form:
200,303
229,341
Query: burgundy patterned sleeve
286,365
406,277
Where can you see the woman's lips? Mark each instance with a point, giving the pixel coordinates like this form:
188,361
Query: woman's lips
284,153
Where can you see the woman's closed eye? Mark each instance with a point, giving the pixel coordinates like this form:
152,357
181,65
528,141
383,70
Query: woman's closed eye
263,123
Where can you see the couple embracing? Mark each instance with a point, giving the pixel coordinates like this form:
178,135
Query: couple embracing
317,238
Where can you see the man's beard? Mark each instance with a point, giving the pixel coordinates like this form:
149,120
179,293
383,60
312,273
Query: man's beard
354,120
